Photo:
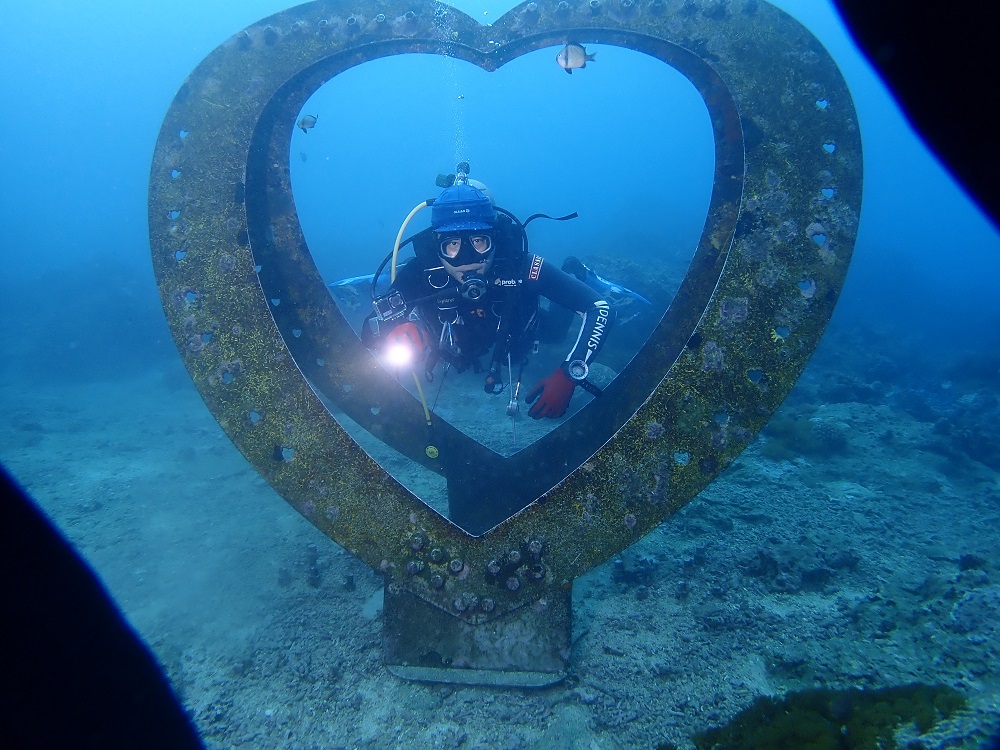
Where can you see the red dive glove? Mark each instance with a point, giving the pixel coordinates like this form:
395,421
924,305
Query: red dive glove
406,344
555,392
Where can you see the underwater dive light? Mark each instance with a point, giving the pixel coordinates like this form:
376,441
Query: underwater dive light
399,355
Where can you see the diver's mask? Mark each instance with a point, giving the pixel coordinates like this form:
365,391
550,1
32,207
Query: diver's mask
465,248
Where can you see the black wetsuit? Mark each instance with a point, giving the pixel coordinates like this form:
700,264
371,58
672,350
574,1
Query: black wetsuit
505,319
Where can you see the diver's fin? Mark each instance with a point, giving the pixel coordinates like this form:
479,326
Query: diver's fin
352,281
616,293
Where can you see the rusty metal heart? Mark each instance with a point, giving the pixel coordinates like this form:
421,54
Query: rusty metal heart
266,345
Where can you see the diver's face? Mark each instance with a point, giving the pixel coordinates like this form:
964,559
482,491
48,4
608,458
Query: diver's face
466,253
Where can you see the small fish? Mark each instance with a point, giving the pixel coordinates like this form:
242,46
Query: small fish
304,156
308,122
573,56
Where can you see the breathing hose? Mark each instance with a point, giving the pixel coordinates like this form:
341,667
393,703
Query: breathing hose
392,278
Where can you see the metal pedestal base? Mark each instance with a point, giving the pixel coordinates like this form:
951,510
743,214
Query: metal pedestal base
528,647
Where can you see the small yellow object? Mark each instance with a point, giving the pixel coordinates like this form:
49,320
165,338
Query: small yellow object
431,451
775,336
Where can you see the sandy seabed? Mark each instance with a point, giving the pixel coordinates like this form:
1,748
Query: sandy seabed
874,565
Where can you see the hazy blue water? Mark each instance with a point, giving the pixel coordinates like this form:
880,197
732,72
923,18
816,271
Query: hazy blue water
626,143
87,85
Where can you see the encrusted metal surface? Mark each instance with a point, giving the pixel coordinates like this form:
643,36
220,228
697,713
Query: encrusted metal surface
253,320
529,647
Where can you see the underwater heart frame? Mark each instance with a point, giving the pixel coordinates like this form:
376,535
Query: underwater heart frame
267,347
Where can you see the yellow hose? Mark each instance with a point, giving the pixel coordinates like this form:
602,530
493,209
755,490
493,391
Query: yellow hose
423,400
399,238
392,278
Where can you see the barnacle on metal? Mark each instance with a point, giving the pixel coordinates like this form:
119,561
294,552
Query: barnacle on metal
258,330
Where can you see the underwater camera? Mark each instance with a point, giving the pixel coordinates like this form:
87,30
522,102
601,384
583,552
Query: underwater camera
390,306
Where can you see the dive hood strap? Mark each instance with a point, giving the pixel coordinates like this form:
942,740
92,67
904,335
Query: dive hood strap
567,217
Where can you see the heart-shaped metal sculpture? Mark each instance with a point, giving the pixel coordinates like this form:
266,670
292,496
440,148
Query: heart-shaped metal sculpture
265,343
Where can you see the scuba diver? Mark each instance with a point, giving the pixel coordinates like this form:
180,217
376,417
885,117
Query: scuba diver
472,289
